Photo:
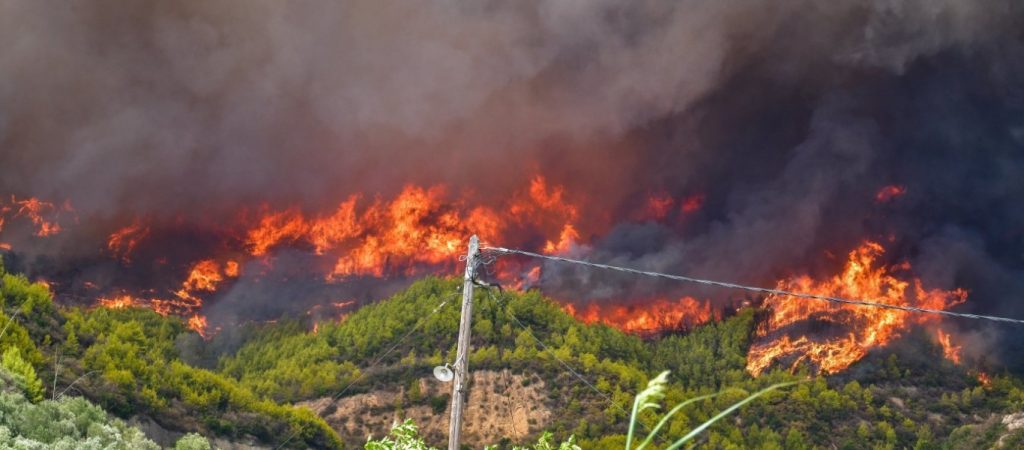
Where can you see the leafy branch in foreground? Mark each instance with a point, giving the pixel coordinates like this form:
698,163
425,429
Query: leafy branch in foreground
649,399
405,436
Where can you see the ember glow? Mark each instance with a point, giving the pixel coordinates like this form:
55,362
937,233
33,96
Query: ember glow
984,379
692,203
890,192
850,331
118,302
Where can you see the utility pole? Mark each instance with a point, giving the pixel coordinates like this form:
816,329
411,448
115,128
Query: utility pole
462,353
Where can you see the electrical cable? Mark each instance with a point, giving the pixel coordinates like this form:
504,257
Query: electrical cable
757,289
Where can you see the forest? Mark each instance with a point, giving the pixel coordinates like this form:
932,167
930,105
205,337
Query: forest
76,377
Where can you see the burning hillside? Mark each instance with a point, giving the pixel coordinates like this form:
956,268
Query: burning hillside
832,336
422,230
220,165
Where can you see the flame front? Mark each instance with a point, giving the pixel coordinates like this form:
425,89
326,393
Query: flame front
649,316
850,331
422,229
418,227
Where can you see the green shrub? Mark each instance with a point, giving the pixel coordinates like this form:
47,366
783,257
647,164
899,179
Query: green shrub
23,374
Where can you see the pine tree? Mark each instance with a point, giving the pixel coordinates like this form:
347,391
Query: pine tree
24,374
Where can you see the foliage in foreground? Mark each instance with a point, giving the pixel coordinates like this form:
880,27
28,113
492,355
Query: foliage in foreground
127,361
69,423
405,436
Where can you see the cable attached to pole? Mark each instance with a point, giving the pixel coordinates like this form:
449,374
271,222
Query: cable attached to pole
761,290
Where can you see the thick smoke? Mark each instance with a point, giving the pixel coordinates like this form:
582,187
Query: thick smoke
787,116
165,106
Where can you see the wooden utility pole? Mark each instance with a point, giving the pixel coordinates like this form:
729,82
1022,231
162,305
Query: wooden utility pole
462,353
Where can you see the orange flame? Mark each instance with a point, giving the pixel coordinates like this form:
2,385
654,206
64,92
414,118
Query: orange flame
118,302
34,209
197,323
950,350
419,226
648,317
123,242
205,276
566,240
658,206
43,215
862,328
984,379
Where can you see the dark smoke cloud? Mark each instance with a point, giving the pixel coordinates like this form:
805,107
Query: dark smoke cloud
788,116
160,106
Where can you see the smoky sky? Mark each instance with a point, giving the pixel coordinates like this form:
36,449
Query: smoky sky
158,107
787,116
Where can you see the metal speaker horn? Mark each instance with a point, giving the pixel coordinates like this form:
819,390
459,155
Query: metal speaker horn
444,373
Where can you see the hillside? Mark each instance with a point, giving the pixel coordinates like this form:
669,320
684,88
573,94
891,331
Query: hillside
137,364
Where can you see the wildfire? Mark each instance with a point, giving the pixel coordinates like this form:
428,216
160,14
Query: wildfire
658,206
647,317
123,242
423,228
205,276
566,239
34,209
341,312
41,214
950,350
197,323
417,227
854,329
890,192
984,379
118,302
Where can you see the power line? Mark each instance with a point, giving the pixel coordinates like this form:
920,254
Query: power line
378,360
757,289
